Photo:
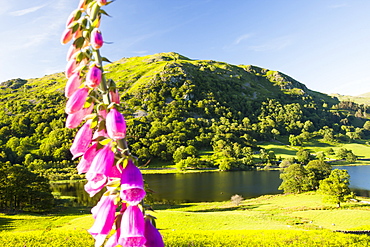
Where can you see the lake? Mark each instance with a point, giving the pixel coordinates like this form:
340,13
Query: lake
214,186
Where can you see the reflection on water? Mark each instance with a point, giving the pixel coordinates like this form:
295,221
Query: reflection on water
213,186
359,179
191,187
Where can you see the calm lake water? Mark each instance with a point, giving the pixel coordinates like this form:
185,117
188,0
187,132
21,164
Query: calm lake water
214,186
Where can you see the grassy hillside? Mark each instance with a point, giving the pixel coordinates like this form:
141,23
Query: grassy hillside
169,102
359,99
281,220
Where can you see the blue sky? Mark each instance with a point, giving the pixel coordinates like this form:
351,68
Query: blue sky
323,44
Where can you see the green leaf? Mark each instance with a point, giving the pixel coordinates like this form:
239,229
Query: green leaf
79,42
94,122
104,59
99,139
105,142
104,13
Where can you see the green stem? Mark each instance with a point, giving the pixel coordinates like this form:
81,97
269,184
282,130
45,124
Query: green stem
103,87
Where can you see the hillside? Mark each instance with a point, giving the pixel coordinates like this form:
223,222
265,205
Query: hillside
359,99
172,101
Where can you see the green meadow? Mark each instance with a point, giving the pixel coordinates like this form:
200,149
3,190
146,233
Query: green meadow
279,220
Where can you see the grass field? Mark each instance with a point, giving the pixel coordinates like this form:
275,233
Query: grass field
359,148
279,220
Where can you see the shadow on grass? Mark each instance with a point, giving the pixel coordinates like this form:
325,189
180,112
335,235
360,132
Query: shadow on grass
231,208
4,224
170,206
66,211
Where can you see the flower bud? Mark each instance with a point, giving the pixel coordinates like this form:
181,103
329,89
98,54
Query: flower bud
73,120
82,140
82,4
96,39
93,77
71,67
114,96
77,100
102,2
66,36
115,124
71,52
73,84
152,235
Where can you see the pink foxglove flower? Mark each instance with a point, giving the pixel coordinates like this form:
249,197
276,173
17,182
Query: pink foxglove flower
116,125
99,170
104,215
71,67
113,240
77,100
132,228
152,235
93,77
73,84
82,140
86,160
132,184
96,39
74,119
66,36
114,96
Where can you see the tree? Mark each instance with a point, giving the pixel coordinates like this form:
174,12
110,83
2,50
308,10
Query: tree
350,157
303,156
336,187
367,125
21,189
318,170
341,153
295,179
271,157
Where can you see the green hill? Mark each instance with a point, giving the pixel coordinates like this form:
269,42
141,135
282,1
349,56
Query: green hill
171,101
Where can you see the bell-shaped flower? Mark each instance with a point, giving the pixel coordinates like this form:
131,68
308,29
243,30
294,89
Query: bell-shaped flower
132,184
104,215
82,140
93,77
66,36
86,160
114,96
74,119
152,235
73,84
71,67
113,240
115,124
77,100
96,39
132,227
99,170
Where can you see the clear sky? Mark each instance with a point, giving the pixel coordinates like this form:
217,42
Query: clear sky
324,44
